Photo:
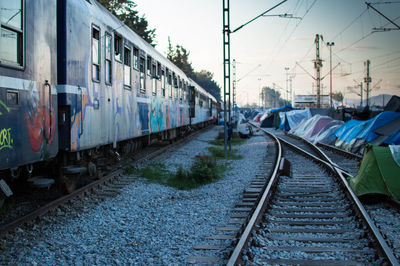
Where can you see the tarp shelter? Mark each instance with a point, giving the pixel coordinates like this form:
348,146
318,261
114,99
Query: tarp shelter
354,134
272,119
310,128
393,104
379,173
327,134
293,118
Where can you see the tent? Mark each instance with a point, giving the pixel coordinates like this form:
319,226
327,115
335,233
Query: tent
327,134
271,117
393,104
310,128
354,134
293,118
379,173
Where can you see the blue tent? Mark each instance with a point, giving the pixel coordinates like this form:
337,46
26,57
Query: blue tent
355,131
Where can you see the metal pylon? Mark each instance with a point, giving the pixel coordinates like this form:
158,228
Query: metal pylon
227,67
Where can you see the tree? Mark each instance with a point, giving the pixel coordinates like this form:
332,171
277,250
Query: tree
338,97
205,79
180,57
272,98
125,11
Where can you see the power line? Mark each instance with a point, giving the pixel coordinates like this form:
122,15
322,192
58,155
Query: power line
351,23
362,38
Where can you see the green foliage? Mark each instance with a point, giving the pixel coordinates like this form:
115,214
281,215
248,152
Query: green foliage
130,170
203,171
125,11
180,57
338,97
219,153
155,173
235,140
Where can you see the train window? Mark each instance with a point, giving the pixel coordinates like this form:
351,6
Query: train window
11,32
158,70
142,68
163,83
149,65
170,85
136,58
118,47
108,68
12,98
95,53
175,85
180,90
154,80
127,67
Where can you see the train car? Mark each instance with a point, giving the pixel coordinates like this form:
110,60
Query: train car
28,79
115,90
75,82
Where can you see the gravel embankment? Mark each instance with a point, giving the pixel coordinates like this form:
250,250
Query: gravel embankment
146,224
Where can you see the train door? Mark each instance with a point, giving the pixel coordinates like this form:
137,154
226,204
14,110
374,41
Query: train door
109,88
114,98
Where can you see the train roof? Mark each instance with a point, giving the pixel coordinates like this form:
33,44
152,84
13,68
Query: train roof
106,17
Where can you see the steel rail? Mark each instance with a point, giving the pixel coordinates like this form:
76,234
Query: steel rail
258,212
52,205
110,176
337,150
386,250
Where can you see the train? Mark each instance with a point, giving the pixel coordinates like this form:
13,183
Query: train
76,82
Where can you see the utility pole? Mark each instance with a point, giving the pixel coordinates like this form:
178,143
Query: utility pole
318,66
361,94
330,44
233,82
367,80
227,66
287,88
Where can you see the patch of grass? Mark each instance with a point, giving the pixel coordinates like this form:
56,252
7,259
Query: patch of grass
155,173
203,171
219,153
235,140
130,170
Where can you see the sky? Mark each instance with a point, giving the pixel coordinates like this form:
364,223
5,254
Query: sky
264,48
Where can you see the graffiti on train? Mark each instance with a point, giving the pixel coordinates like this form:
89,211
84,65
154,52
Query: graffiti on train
6,142
4,106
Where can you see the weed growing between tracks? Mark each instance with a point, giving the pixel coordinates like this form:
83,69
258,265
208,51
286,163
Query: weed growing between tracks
204,170
235,140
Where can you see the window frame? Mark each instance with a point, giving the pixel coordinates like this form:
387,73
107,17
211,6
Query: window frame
118,48
137,57
95,27
127,47
169,82
153,77
163,81
22,42
107,34
149,61
142,75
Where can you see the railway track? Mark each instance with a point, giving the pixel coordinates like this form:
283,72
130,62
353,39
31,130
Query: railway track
109,185
310,217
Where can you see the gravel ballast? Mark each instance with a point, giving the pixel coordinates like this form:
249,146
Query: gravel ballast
146,224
